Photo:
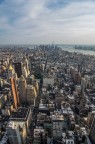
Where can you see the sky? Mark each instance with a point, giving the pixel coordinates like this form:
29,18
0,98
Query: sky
47,21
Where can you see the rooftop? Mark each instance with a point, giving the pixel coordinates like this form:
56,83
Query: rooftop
20,114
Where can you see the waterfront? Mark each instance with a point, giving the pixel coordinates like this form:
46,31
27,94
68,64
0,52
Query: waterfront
71,48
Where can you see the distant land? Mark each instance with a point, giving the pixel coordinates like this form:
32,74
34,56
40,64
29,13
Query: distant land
79,47
84,49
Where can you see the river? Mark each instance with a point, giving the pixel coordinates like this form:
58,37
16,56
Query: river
70,48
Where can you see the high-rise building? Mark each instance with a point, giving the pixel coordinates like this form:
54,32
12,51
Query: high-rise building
22,89
36,85
14,92
10,71
31,94
1,84
22,114
92,131
16,132
90,118
77,78
2,100
24,71
18,125
83,84
25,67
18,68
30,79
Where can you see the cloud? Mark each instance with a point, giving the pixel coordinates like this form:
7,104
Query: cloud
44,21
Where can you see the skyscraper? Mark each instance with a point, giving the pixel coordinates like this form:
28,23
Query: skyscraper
14,92
27,66
10,71
22,89
24,71
18,68
18,125
16,132
31,94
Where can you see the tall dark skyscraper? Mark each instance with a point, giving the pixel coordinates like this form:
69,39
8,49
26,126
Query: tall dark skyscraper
18,69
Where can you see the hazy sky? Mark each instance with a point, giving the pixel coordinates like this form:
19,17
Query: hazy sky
45,21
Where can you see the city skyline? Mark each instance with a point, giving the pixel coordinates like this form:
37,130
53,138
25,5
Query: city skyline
44,21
